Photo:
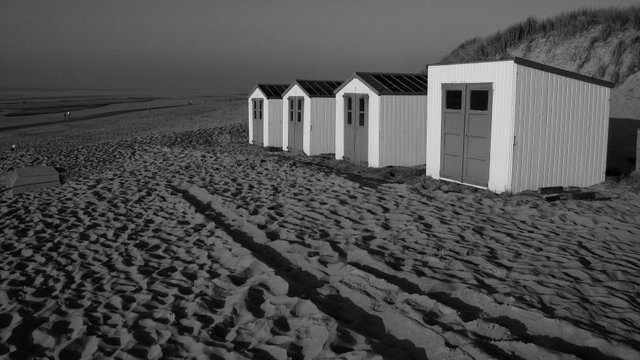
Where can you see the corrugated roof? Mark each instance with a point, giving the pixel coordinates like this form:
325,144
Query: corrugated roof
539,66
391,83
317,88
272,91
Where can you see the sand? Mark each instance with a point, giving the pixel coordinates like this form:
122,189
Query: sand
174,238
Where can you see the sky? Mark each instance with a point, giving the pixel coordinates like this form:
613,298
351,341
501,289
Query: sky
229,46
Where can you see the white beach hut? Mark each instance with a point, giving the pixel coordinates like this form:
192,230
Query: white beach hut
309,117
514,125
381,119
265,114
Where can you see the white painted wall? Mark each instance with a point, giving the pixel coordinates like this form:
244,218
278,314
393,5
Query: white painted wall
256,94
561,127
358,87
273,122
502,75
323,125
402,130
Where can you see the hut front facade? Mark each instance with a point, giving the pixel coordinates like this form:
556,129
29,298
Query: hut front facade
265,114
309,117
514,125
381,119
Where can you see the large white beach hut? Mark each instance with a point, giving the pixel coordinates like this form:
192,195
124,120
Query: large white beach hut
514,125
265,114
381,119
309,117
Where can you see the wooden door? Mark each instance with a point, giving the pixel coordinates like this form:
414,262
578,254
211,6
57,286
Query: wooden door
477,145
258,121
299,124
349,127
296,123
361,155
452,140
356,129
466,133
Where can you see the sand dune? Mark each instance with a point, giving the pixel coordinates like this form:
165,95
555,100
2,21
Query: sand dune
175,239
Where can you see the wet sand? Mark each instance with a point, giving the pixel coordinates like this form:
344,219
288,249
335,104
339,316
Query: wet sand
174,238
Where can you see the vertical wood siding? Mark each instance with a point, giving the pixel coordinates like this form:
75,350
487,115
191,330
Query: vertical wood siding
502,75
402,132
323,126
560,130
356,86
294,91
273,122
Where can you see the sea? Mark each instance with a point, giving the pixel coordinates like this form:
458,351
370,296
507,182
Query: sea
20,108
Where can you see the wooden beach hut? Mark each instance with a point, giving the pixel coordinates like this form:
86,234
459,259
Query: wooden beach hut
265,114
513,125
381,119
309,118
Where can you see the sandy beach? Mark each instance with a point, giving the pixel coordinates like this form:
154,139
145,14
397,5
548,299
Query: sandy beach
172,237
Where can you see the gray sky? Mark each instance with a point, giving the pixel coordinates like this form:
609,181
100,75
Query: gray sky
231,45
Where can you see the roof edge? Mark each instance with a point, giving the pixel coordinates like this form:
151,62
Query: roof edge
296,82
351,78
562,72
540,66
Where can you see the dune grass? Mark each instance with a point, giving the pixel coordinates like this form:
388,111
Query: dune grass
606,22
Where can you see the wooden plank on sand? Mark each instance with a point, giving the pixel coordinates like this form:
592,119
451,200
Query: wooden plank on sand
32,178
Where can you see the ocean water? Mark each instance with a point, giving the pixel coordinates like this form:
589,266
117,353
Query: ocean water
52,104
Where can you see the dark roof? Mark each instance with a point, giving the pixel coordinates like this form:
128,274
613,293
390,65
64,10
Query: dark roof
317,88
392,84
271,91
547,68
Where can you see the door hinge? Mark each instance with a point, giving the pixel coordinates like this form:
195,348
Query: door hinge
515,141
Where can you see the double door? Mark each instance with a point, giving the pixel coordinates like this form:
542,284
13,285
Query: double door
295,123
466,133
258,121
356,128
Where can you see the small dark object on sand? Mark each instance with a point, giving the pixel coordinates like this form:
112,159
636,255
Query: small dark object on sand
551,190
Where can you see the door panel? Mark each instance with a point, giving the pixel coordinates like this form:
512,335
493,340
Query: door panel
356,129
349,129
299,124
466,133
362,131
257,113
478,135
291,136
452,132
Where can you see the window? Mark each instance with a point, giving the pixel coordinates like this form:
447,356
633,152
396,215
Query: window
479,100
253,106
362,111
299,110
453,99
290,109
260,109
349,110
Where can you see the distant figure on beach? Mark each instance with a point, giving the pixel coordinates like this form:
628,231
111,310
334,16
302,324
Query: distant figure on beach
67,115
13,147
190,102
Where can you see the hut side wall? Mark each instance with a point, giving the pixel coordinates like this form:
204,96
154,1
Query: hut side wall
322,126
273,122
356,86
403,130
561,127
502,75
